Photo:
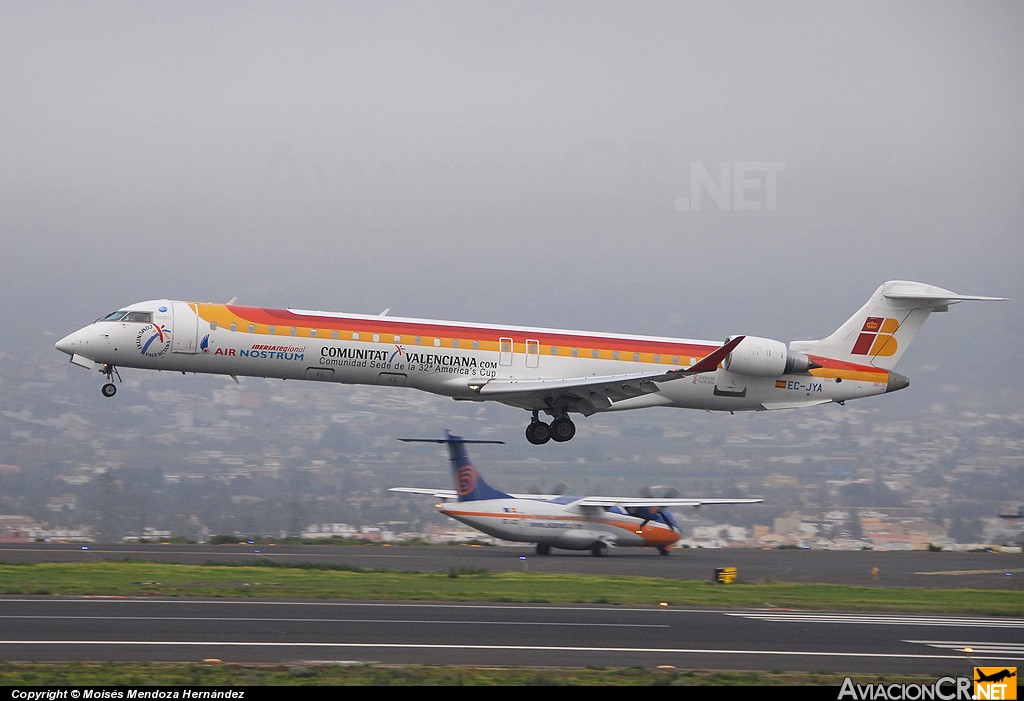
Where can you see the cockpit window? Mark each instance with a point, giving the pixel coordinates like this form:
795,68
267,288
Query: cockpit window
124,315
140,317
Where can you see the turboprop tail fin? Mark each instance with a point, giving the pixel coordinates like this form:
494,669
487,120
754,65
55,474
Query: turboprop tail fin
469,484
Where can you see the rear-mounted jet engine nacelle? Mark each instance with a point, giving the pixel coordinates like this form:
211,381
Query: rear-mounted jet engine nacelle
764,357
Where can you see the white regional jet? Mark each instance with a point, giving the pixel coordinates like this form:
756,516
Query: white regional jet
555,371
552,520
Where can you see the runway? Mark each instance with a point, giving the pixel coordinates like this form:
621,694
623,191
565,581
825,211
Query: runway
768,639
304,632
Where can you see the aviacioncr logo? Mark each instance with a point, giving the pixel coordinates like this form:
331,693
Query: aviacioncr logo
153,340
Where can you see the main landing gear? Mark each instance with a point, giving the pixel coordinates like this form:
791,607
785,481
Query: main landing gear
109,389
560,430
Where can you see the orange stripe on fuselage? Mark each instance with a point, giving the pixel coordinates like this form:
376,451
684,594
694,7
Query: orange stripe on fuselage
649,350
650,533
848,371
262,319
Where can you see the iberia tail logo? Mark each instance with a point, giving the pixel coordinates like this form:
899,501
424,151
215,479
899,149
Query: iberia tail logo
876,337
995,683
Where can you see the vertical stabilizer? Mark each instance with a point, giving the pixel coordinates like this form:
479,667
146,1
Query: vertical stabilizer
469,484
880,332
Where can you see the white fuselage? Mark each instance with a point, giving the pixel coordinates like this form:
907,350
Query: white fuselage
452,359
558,525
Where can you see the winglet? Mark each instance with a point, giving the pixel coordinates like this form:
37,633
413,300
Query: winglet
711,361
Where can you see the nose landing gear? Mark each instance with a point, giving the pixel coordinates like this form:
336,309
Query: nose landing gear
109,389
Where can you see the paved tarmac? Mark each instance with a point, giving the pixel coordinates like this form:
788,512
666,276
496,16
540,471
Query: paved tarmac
116,629
975,570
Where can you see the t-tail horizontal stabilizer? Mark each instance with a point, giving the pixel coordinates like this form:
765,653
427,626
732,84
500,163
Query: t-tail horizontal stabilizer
469,484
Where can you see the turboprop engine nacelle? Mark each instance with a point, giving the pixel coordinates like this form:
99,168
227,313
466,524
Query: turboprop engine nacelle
765,357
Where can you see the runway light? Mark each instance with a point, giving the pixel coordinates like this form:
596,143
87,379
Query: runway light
663,603
968,650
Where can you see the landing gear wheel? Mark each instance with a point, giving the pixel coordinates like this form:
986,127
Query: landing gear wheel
538,432
543,549
663,551
597,549
110,372
562,430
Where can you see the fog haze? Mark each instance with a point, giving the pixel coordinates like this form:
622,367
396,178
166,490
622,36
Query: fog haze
672,168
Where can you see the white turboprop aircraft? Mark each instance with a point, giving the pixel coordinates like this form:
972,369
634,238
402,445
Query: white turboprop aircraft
555,371
553,520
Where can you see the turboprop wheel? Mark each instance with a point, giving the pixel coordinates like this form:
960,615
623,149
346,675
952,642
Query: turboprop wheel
538,432
562,430
543,549
597,549
109,389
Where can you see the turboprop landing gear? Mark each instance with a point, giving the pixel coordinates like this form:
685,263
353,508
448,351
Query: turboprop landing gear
109,389
560,430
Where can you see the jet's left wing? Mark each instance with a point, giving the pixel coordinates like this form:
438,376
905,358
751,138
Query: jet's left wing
593,393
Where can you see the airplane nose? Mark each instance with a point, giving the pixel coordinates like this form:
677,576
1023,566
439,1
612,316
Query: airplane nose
76,343
896,382
66,344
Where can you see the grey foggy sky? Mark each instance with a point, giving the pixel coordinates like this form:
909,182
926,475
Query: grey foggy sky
680,168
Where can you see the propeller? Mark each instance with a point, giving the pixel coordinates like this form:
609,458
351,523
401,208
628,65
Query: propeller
560,488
